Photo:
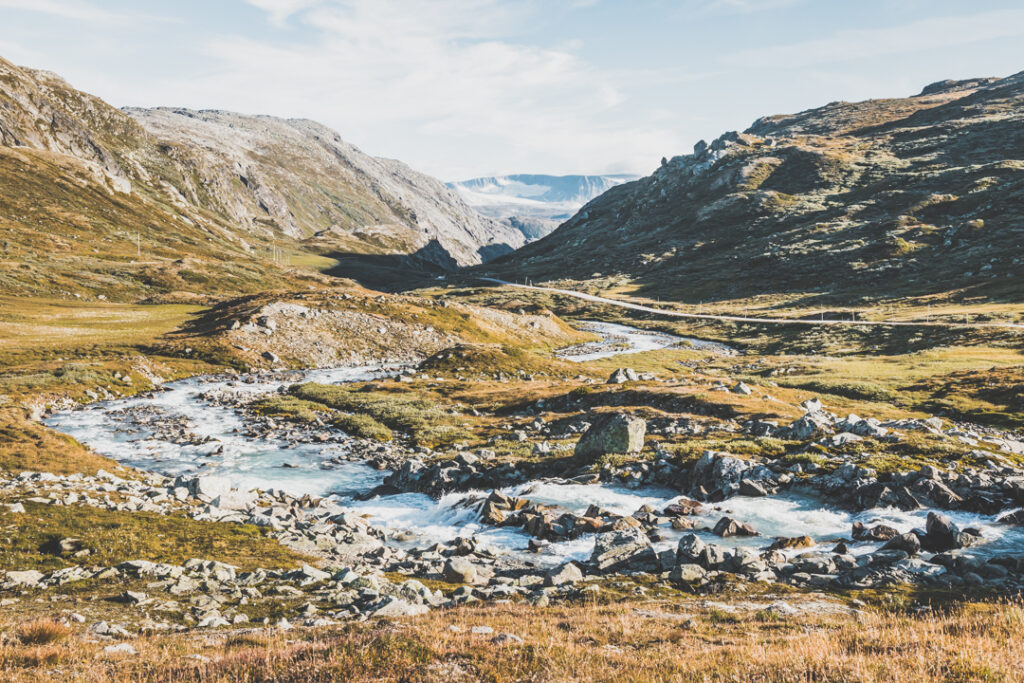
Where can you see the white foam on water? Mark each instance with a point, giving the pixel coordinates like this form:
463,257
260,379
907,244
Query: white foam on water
119,429
617,340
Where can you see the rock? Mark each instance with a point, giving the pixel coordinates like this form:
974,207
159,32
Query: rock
208,488
395,607
809,426
742,389
120,649
880,532
63,545
792,543
13,507
690,549
908,543
612,433
459,570
236,500
27,579
621,549
727,526
683,506
506,639
942,534
1015,518
561,575
134,598
692,574
623,375
481,630
714,471
270,356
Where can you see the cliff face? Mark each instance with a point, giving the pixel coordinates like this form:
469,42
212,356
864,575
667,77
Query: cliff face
897,197
86,187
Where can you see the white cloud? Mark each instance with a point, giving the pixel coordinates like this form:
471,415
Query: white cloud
74,10
403,71
850,45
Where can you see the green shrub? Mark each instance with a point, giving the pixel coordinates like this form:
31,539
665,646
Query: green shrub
362,426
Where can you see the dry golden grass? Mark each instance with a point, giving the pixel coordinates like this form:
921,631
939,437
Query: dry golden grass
42,632
649,641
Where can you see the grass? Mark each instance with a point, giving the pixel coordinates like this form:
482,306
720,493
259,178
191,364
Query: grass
113,537
362,426
426,423
42,632
628,640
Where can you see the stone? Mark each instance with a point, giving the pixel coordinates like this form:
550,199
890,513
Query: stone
742,389
564,574
134,598
119,649
714,471
621,549
683,506
396,607
942,534
459,570
614,433
792,543
28,578
690,549
727,526
63,545
506,639
208,487
908,543
879,532
692,574
623,375
1015,518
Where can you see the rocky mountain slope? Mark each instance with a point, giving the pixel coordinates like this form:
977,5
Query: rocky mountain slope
848,202
96,199
533,203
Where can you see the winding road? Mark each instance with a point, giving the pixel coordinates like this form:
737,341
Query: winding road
745,319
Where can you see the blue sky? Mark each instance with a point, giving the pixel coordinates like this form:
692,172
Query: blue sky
461,88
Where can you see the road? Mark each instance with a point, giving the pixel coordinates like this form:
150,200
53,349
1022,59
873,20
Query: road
745,319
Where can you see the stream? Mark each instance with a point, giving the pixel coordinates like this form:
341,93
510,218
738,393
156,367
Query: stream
181,429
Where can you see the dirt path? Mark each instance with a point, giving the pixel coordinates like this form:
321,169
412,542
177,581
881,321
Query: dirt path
744,319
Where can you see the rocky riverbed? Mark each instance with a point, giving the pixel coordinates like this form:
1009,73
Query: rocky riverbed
539,530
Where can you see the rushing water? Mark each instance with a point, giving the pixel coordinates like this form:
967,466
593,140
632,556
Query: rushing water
617,340
135,432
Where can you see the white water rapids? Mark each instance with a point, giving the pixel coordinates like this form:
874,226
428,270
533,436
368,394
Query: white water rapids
126,430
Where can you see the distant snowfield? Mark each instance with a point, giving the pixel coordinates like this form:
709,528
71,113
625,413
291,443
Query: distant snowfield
546,199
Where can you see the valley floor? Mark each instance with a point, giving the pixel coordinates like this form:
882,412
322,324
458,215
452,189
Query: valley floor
491,406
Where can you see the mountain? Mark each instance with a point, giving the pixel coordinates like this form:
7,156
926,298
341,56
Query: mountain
96,199
848,202
534,204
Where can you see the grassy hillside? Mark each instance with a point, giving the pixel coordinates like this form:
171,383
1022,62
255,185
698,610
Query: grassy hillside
915,199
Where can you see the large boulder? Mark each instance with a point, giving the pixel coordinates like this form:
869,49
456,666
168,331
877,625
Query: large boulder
622,549
459,570
942,534
612,433
208,487
563,574
623,375
727,526
715,471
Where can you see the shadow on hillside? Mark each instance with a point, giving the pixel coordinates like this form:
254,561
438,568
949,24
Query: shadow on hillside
395,272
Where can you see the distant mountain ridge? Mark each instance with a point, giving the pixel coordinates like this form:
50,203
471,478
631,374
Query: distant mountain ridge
534,203
88,189
853,201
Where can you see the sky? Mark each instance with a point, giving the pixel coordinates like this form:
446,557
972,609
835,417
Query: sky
466,88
